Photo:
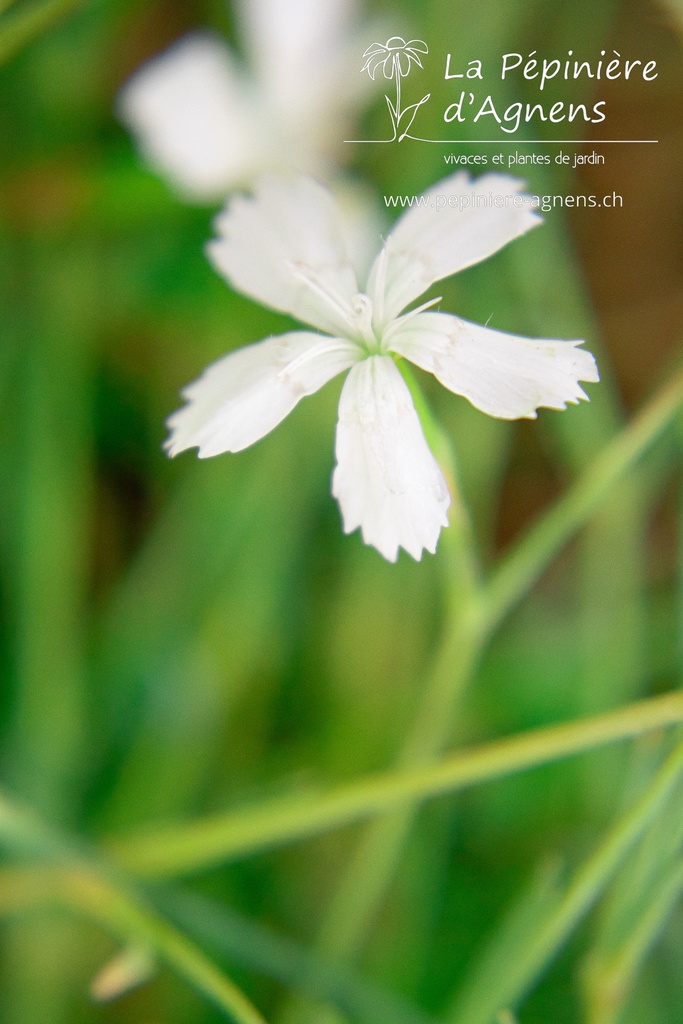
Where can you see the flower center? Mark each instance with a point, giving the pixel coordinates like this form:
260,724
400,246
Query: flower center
358,314
360,322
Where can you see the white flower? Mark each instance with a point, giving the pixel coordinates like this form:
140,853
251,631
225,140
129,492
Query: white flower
207,123
284,247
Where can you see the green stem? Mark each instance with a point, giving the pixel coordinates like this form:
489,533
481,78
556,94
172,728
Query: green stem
530,557
80,882
123,915
254,946
225,837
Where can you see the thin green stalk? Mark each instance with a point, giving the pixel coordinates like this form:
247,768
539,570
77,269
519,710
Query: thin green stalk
224,837
530,557
80,882
361,889
22,25
235,937
124,915
609,981
82,890
541,947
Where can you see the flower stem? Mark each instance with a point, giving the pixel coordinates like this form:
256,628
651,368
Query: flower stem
123,915
75,879
530,557
226,837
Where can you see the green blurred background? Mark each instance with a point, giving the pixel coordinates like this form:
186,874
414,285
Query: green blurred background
182,637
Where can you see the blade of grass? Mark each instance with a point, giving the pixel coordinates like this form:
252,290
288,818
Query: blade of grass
632,918
23,832
230,934
631,892
219,528
240,620
217,839
612,623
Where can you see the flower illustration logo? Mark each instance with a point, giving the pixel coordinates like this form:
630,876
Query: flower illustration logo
395,58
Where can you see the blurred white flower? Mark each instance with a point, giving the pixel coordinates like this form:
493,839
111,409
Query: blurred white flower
284,247
207,122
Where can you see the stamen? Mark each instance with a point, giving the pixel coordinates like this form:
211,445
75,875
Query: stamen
334,345
316,283
400,321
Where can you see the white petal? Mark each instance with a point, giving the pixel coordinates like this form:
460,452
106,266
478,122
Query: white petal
386,479
304,64
501,374
291,44
285,247
193,116
244,395
435,239
363,222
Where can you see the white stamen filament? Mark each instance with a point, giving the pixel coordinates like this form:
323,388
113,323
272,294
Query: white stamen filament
401,321
320,287
335,345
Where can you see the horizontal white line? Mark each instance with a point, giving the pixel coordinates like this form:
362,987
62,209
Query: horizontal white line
520,142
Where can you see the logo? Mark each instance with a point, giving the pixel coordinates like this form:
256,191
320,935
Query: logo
395,58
